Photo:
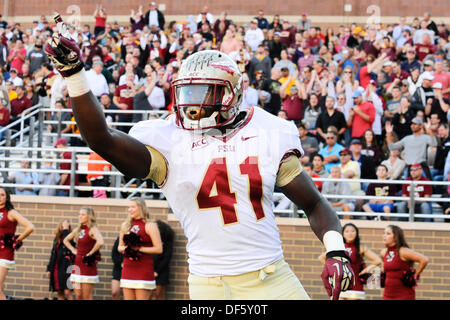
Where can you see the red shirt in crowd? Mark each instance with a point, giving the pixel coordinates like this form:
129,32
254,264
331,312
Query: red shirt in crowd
359,125
294,107
4,117
420,190
19,105
100,21
364,77
125,95
425,49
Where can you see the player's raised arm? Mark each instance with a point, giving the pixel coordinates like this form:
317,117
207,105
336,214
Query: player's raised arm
126,153
337,274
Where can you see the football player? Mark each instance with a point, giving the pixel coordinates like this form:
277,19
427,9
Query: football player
217,167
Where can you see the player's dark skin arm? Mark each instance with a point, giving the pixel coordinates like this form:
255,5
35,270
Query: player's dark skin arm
321,215
127,154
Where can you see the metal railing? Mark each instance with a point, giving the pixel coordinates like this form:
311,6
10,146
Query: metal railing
118,186
35,118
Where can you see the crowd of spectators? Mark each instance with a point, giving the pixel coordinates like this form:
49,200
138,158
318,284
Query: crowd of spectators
370,101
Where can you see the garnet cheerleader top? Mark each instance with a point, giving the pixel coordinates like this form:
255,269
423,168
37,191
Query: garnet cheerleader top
394,288
139,273
356,265
84,246
6,227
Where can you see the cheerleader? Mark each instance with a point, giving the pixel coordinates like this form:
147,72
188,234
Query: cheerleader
9,241
400,280
139,240
89,241
357,252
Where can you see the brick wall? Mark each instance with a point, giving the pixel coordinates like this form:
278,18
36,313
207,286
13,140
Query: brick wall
334,10
301,248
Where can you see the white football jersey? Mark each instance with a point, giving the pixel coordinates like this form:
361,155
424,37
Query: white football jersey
220,189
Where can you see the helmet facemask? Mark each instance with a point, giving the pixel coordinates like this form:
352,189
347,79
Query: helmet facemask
207,92
203,103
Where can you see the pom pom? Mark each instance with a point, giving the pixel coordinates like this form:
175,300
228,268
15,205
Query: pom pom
408,278
131,254
9,240
131,239
92,259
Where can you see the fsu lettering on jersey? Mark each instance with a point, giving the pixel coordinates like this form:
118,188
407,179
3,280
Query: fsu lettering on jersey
221,191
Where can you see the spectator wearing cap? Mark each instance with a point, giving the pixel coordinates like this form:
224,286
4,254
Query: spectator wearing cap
14,78
330,152
428,65
154,17
442,76
306,60
259,62
423,94
94,50
262,21
287,34
361,116
426,47
338,188
380,189
415,145
96,80
420,190
304,23
62,146
254,36
350,170
410,61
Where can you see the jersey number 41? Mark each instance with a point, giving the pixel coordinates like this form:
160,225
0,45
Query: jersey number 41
215,190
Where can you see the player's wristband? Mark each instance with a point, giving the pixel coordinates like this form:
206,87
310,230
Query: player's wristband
333,241
340,254
77,84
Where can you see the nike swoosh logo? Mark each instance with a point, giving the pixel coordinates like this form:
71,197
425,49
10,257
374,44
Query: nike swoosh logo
246,138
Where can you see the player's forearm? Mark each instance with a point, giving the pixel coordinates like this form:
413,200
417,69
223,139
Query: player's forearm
127,154
321,215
